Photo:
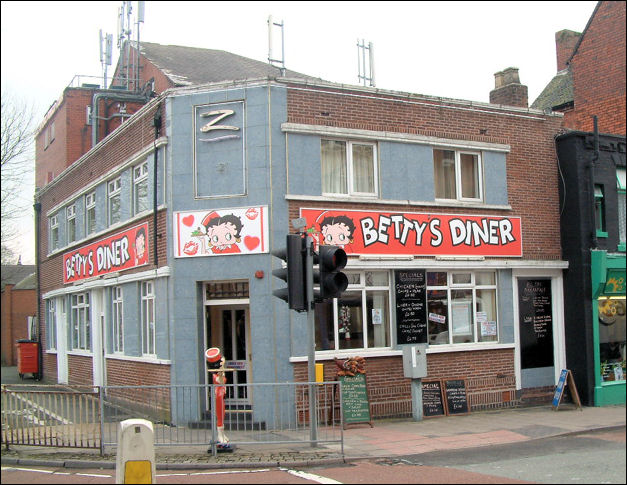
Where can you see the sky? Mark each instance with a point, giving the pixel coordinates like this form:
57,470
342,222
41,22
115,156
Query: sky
445,49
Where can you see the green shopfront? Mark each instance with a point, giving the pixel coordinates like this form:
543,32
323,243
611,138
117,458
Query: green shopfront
608,294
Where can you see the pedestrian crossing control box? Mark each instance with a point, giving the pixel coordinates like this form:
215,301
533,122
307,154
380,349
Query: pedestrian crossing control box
415,361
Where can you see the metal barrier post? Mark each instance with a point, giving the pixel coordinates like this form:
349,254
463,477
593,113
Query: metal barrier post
135,460
214,424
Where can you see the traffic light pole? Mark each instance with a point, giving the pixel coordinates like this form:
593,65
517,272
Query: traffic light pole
311,341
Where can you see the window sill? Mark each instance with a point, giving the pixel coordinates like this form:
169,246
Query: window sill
327,355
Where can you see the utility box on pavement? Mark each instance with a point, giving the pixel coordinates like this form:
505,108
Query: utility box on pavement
28,357
135,460
415,361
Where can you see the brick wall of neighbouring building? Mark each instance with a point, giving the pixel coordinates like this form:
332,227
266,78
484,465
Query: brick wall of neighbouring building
598,68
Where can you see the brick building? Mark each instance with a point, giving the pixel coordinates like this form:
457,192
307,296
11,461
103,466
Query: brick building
19,305
174,214
589,89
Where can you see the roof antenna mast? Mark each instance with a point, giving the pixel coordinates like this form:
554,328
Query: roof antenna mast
361,62
280,63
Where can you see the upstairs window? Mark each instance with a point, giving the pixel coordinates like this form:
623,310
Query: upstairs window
140,188
71,223
90,213
114,188
54,232
349,168
599,211
622,220
458,175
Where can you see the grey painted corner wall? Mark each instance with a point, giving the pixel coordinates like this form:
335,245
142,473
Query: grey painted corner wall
265,108
405,170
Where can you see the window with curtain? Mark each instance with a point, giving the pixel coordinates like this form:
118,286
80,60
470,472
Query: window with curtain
457,175
349,168
90,213
114,190
140,188
71,223
54,232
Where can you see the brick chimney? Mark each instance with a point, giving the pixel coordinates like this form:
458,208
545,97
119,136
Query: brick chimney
565,42
508,90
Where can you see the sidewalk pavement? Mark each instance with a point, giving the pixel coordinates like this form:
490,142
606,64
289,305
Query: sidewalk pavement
388,438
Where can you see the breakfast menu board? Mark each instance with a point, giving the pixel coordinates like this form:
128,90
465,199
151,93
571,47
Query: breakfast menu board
536,322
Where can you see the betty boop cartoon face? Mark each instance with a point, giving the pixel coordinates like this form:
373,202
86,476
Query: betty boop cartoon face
337,230
224,231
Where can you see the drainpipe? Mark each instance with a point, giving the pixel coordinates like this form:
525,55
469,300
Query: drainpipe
95,107
595,157
156,121
37,209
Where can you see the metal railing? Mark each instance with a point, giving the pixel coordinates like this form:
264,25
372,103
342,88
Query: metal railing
264,413
51,416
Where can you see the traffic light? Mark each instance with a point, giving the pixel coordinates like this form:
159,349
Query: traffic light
331,259
294,273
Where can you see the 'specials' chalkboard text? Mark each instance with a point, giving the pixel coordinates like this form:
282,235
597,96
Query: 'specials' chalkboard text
432,401
411,312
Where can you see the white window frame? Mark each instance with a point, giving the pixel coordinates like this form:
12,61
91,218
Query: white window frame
54,232
51,328
349,168
458,175
117,319
80,321
140,177
363,288
473,286
90,212
114,191
70,213
148,313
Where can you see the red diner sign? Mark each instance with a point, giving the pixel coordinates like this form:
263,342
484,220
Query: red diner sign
394,233
124,250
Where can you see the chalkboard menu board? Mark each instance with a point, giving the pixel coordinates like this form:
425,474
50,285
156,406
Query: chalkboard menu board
456,399
411,311
432,401
536,322
355,404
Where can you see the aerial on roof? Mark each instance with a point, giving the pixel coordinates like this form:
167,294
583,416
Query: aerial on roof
188,66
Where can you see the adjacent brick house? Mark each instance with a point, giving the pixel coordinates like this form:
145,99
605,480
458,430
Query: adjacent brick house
138,275
19,303
590,90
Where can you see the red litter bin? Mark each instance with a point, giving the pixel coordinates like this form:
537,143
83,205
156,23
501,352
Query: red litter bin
28,358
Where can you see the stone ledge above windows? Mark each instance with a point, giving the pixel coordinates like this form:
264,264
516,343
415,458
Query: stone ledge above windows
369,135
408,203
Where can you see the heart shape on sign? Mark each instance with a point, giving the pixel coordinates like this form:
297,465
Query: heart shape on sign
188,220
251,242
